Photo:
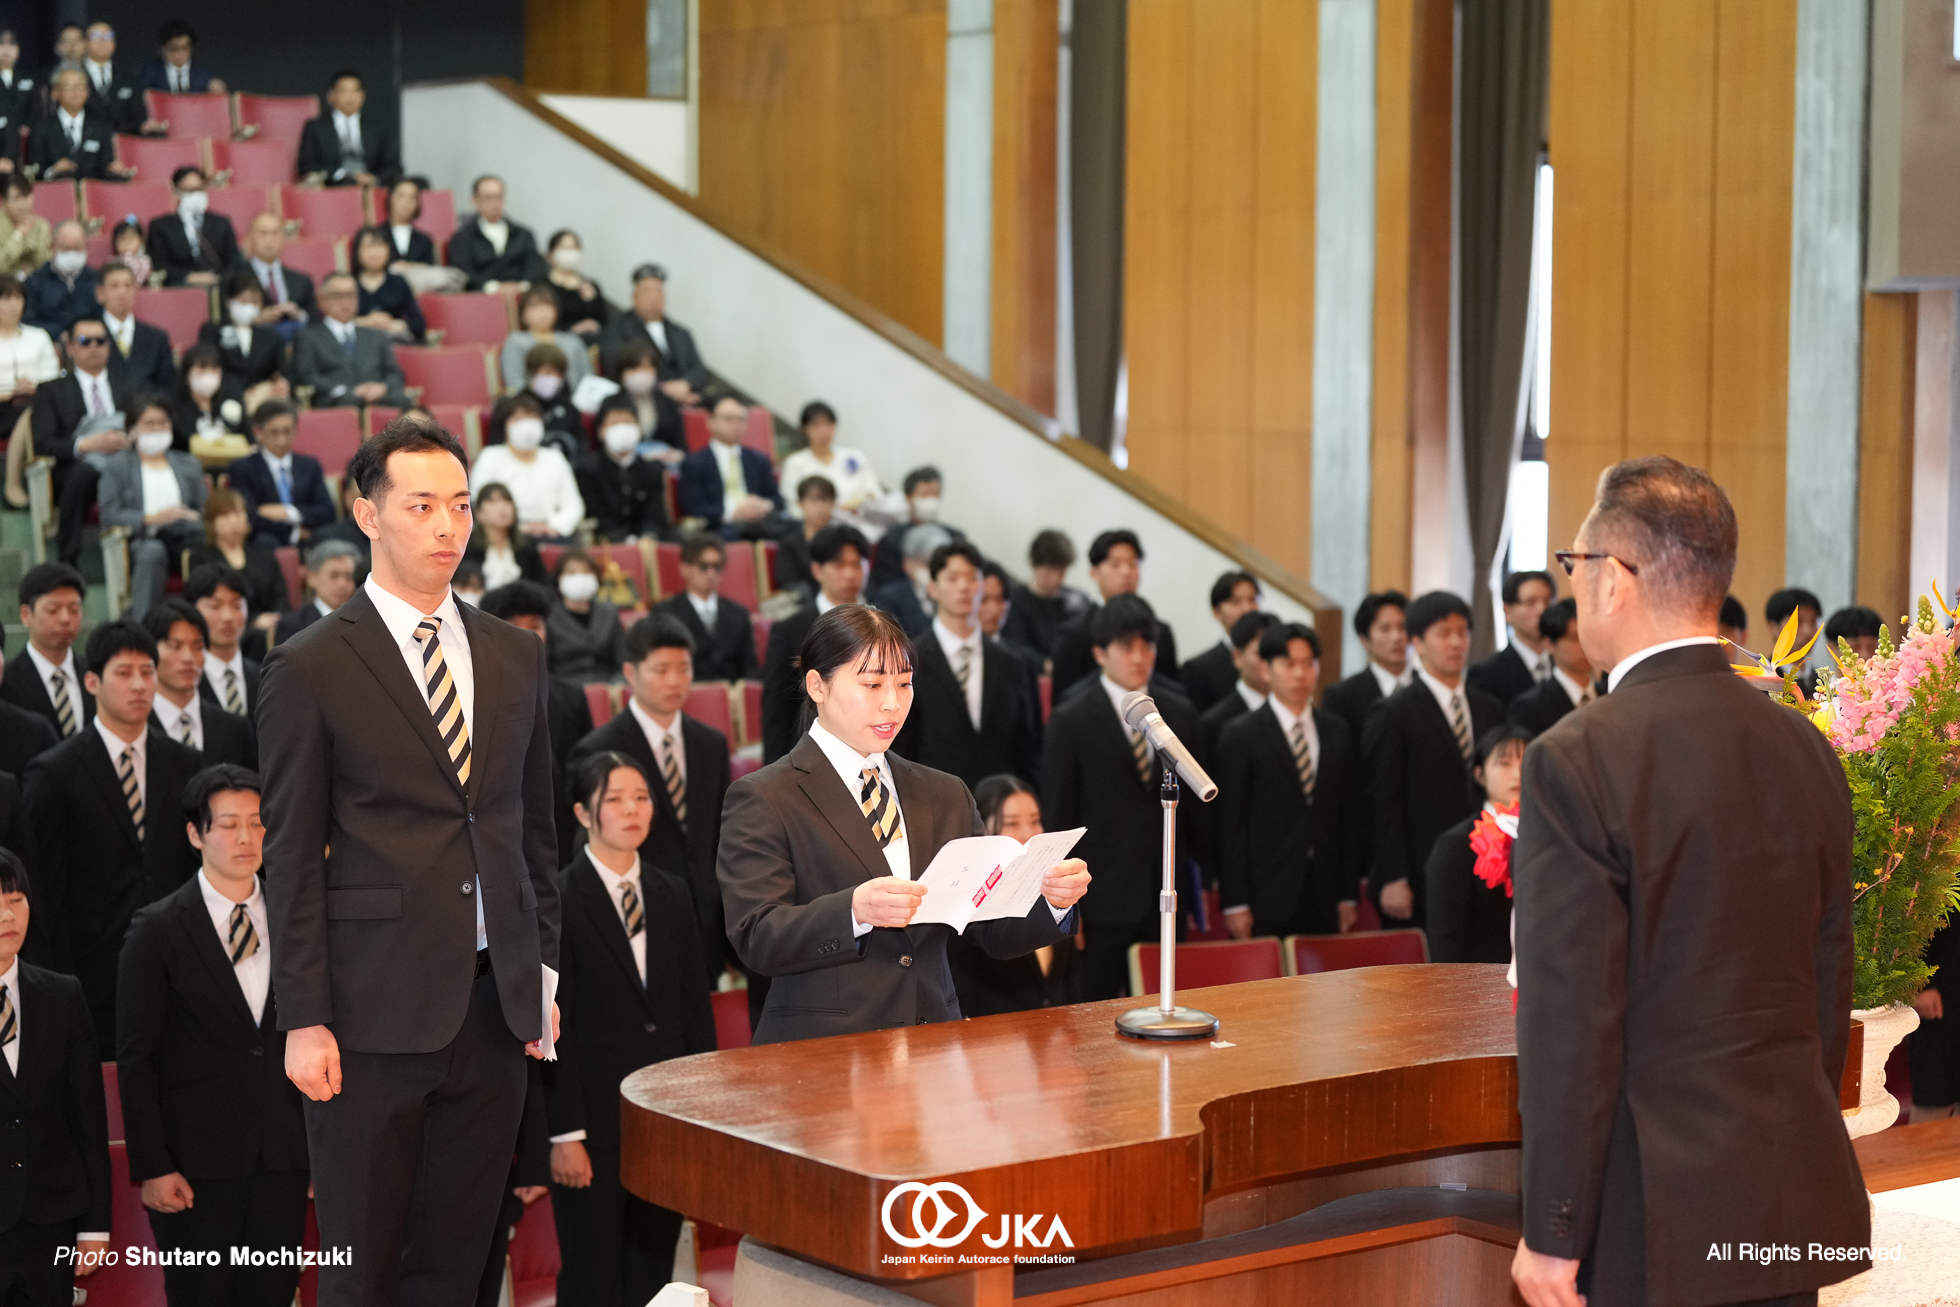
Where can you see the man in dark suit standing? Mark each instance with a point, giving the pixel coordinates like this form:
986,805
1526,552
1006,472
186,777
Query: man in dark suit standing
216,1136
724,634
1684,943
686,763
139,352
1209,677
1097,772
1382,623
729,486
681,376
345,146
491,249
1291,835
1248,691
192,246
1571,683
329,572
971,714
42,678
231,680
408,793
285,493
103,807
1116,566
1417,750
837,555
1527,660
181,712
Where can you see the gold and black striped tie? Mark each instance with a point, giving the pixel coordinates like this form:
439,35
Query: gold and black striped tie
64,707
629,906
444,705
880,808
184,733
1303,758
1461,726
9,1023
234,701
244,939
965,669
1140,751
132,793
670,772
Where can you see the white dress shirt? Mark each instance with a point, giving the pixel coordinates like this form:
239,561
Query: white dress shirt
1633,660
71,126
100,75
658,330
123,329
160,488
277,466
616,890
500,566
272,276
401,618
173,719
952,645
214,672
402,235
342,331
96,395
73,682
728,467
705,609
1387,680
497,233
1573,690
348,131
1447,699
850,765
662,740
139,759
10,985
1254,700
1116,695
254,973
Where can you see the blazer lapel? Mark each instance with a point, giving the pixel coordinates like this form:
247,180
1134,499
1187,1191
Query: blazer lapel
102,773
1117,737
368,636
604,917
838,805
993,684
195,920
488,673
1432,712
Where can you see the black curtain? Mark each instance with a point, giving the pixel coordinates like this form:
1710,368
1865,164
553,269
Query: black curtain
1097,69
1501,136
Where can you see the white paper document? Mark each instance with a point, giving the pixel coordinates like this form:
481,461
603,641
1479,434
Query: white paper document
984,877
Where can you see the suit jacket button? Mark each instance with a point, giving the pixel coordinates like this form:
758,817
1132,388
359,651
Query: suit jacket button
470,817
466,887
649,1027
905,961
258,1050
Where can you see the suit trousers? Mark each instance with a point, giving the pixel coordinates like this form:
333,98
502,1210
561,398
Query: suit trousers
30,1275
266,1210
490,1289
615,1250
410,1160
74,493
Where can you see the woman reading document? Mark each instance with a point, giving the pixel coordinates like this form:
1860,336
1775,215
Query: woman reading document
822,851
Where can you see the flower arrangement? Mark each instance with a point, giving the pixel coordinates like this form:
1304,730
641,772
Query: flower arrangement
1491,837
1894,720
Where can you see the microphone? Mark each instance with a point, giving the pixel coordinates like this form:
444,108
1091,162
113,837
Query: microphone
1140,714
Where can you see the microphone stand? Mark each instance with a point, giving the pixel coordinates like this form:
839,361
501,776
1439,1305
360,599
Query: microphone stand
1167,1020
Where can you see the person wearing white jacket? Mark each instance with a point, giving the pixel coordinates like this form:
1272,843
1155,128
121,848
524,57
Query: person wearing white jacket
539,478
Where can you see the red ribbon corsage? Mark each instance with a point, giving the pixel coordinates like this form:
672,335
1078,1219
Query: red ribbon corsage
1491,842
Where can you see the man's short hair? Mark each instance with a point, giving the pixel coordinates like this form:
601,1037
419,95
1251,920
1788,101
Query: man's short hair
207,578
1672,522
1734,615
1429,609
13,876
327,550
1126,617
699,544
517,599
272,410
174,28
1222,588
726,397
1515,582
992,571
649,272
110,269
920,542
187,170
1099,547
405,435
816,487
1371,607
1051,548
1850,624
206,785
657,631
813,410
948,552
1247,627
167,613
1784,602
829,544
112,638
1557,619
46,578
1276,639
477,185
920,476
330,279
342,74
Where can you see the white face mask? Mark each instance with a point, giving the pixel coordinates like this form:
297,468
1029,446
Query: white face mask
546,385
566,258
243,313
205,383
621,438
69,262
151,443
525,434
578,586
926,508
638,383
193,204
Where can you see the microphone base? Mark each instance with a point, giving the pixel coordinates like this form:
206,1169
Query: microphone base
1178,1023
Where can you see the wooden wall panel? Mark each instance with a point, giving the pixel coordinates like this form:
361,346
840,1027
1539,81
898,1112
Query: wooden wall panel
586,47
1389,509
1432,104
1885,580
1027,38
1218,282
822,133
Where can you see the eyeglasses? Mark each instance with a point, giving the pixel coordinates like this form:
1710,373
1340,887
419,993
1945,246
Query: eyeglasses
706,566
86,341
1567,557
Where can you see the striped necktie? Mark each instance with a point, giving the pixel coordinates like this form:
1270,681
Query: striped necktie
244,938
670,772
64,707
965,669
1303,758
234,702
1460,723
880,808
1140,752
184,732
132,793
444,705
629,907
9,1024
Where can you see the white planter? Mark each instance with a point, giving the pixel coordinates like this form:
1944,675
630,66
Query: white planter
1884,1028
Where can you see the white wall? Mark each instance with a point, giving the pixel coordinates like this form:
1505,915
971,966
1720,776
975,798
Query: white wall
652,133
778,340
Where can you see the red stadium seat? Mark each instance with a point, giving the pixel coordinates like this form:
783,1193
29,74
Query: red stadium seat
463,421
694,421
98,248
180,311
277,115
731,1018
112,1094
1202,965
123,1284
707,703
534,1258
765,563
263,161
330,435
333,212
1311,954
319,257
762,627
738,577
751,712
156,158
632,562
437,219
742,764
288,556
202,113
598,698
112,201
375,416
761,435
471,318
1214,919
55,200
450,374
241,202
667,569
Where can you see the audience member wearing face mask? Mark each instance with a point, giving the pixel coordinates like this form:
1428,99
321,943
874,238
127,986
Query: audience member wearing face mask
502,548
582,308
158,494
538,476
625,494
582,633
208,402
250,350
537,316
922,508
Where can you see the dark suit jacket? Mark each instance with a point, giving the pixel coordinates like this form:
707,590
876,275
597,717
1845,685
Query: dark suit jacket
568,715
204,1088
689,852
471,250
585,649
322,362
295,621
794,848
728,652
171,253
939,734
1290,860
700,491
988,986
299,288
888,553
379,849
1541,707
59,408
1418,782
782,688
899,599
24,733
251,478
227,736
96,872
22,687
1683,875
213,694
1352,698
623,501
150,367
319,151
1089,778
1075,659
613,1023
49,145
54,1164
421,247
1469,921
1209,677
52,303
1503,676
152,76
121,104
680,362
265,360
17,837
1213,720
